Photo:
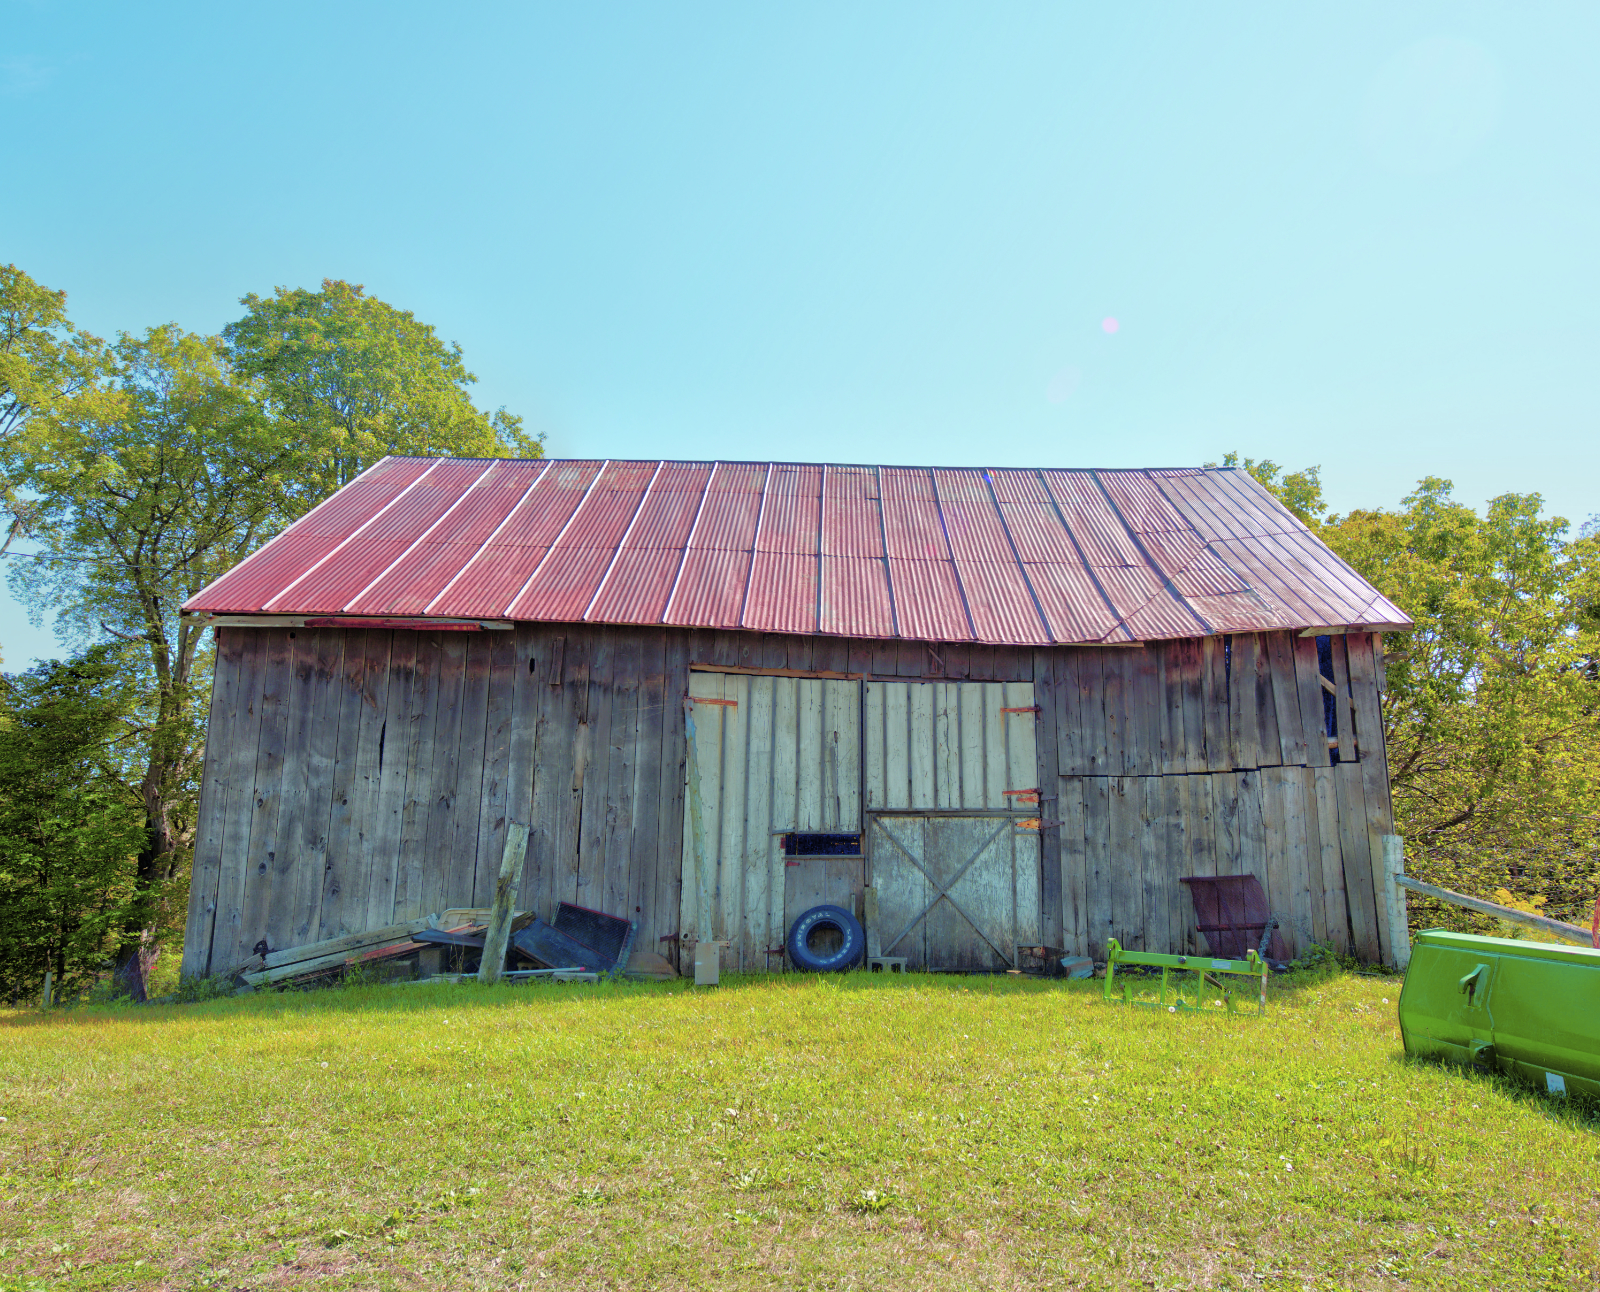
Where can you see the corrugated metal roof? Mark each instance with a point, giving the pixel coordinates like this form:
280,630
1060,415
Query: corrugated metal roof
1006,556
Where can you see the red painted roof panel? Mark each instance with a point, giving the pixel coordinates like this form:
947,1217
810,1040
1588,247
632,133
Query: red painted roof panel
999,556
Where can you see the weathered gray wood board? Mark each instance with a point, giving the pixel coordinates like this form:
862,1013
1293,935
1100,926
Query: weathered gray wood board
357,778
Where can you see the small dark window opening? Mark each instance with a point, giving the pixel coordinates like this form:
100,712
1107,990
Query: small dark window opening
1330,710
822,845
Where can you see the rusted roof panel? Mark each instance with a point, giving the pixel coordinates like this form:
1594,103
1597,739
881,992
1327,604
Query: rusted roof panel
1075,605
783,593
928,600
855,597
1001,603
709,590
636,590
1105,540
1144,508
1005,556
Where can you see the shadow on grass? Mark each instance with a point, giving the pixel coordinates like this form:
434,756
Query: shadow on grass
422,996
1575,1111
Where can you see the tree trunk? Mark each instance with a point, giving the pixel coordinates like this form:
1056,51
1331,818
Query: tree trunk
138,951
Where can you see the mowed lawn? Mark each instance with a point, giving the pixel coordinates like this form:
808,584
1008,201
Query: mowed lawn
791,1132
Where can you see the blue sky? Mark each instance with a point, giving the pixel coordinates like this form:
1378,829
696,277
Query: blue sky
1358,235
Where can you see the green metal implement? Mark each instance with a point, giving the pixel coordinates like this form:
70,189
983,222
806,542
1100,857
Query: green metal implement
1197,973
1528,1009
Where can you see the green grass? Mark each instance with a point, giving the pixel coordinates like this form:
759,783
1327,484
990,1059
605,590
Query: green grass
841,1132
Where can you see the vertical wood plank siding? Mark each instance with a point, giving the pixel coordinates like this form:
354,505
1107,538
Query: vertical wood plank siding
354,778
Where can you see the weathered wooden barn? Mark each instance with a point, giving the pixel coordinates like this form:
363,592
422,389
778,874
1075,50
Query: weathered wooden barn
1020,705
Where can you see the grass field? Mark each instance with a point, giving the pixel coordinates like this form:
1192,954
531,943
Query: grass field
792,1132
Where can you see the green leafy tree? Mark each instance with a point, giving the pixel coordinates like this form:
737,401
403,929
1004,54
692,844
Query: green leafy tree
355,378
141,499
159,462
1492,714
70,823
45,364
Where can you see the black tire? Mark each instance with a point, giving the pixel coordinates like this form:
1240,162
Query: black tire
850,949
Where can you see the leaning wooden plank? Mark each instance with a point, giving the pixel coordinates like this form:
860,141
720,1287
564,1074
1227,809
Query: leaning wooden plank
1557,928
449,938
505,897
362,955
349,942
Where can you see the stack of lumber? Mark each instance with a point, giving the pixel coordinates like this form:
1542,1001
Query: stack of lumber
553,952
387,943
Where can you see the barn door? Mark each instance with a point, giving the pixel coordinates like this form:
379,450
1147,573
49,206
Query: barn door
767,756
955,892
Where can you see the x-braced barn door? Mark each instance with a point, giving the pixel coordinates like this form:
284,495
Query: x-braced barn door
955,892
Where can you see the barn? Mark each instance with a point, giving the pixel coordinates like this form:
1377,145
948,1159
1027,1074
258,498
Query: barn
1015,706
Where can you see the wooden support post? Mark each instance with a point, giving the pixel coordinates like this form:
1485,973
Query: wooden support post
1394,898
869,920
498,933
